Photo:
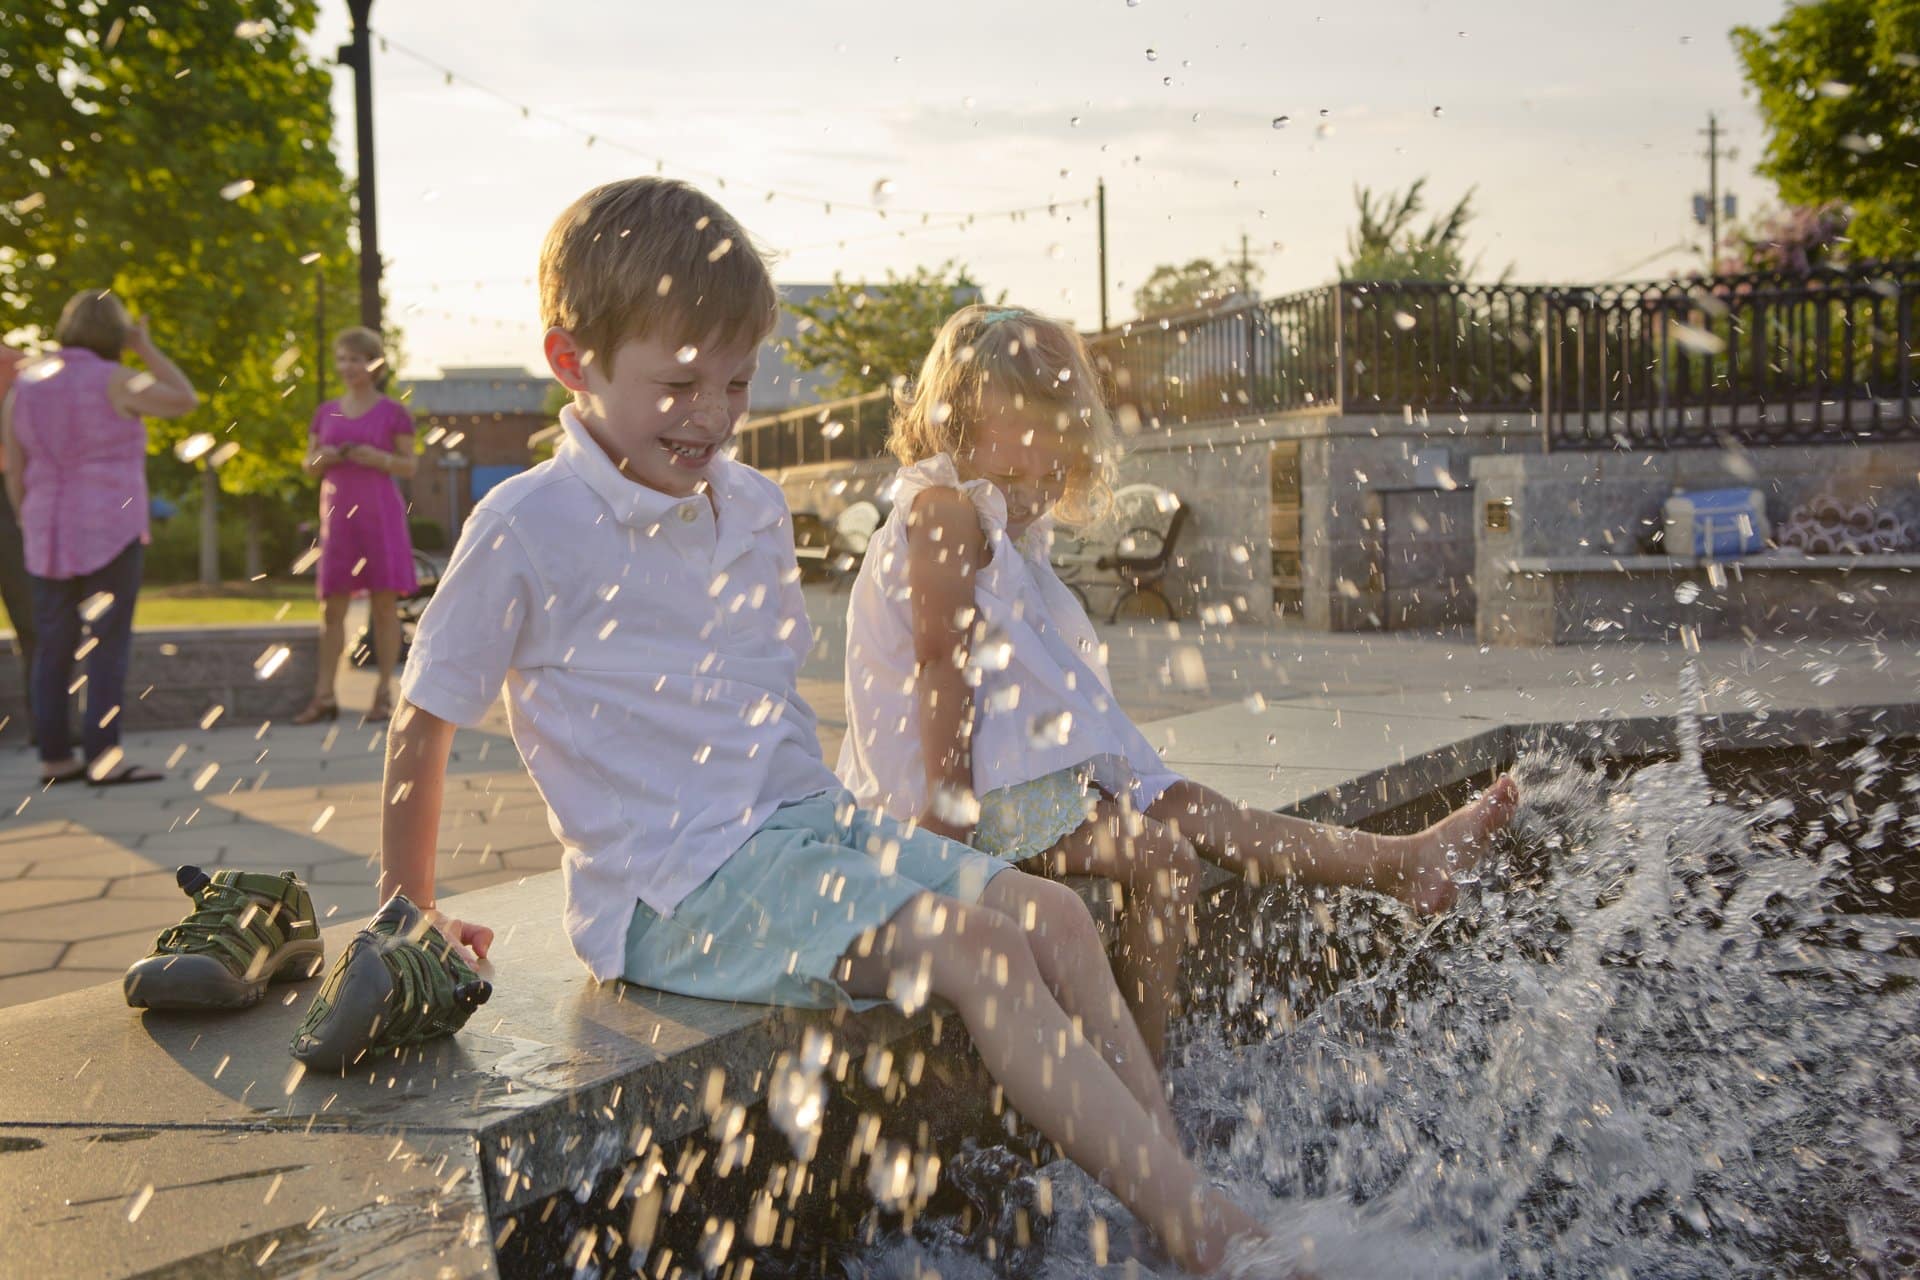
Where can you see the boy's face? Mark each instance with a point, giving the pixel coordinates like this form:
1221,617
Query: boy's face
662,410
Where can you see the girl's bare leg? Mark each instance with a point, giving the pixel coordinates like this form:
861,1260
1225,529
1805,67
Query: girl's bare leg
384,613
982,962
333,641
1268,847
1158,876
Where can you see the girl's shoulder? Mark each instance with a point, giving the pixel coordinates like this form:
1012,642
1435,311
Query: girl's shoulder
938,473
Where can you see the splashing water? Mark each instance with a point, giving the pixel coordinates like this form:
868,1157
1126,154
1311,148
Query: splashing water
1645,1043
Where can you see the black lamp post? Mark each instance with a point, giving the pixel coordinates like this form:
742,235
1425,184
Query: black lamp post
359,56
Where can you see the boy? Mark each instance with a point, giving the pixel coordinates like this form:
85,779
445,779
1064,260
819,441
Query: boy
639,598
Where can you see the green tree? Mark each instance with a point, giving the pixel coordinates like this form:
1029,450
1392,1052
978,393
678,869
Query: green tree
866,336
1838,82
182,154
1386,245
1173,289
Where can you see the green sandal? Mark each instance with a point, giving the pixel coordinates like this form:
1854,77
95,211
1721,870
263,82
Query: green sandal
398,983
246,929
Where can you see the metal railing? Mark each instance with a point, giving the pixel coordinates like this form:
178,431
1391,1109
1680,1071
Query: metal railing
1759,359
849,430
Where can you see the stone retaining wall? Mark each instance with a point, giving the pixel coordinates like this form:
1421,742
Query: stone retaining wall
1554,512
179,675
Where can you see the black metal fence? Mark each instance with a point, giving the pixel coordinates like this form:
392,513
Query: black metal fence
837,431
1758,359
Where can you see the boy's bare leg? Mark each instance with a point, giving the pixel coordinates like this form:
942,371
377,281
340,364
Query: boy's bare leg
1158,873
1271,847
1066,948
980,961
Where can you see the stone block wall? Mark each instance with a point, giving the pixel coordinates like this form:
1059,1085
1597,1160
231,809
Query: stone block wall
1572,504
180,674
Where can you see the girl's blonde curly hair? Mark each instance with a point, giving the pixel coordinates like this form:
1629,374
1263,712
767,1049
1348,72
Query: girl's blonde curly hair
1028,362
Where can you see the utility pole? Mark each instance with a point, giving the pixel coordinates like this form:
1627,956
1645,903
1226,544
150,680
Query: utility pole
1246,270
359,56
1101,190
1714,154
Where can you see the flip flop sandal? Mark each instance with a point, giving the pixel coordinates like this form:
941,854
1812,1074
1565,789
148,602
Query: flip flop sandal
126,775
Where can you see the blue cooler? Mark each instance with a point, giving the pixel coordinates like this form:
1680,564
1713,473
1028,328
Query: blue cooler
1716,523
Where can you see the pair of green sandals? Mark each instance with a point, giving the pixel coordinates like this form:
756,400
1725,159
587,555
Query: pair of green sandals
397,984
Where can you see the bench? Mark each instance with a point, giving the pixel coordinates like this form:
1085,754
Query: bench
1587,598
837,549
1147,521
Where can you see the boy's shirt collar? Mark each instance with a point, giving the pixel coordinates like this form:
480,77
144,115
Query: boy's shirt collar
746,512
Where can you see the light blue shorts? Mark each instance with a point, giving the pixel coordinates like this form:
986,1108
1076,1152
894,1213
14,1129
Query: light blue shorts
770,926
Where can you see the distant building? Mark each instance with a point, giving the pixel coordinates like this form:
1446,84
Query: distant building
473,424
779,383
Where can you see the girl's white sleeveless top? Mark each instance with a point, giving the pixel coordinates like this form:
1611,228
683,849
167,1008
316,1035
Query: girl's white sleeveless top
1042,698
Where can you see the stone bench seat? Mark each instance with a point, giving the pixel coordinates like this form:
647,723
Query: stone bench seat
1589,597
1766,562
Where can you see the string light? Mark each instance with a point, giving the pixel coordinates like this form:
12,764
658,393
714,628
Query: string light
660,163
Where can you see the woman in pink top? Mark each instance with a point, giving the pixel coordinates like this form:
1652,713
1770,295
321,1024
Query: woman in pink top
76,471
360,442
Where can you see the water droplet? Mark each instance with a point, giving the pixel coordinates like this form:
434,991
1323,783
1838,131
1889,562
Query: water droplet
883,190
1437,113
1052,730
252,29
686,355
1153,55
234,190
194,447
95,606
832,430
1280,122
1686,592
1055,250
1404,320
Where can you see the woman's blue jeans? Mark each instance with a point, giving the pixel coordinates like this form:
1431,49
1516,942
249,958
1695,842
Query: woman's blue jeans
56,615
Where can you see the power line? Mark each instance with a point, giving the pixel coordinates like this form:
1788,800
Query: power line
661,163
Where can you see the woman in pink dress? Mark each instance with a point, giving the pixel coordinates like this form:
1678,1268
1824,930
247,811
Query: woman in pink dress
360,442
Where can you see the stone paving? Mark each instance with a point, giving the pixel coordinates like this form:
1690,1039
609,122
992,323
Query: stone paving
1267,714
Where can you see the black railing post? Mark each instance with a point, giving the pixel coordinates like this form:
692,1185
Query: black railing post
1337,315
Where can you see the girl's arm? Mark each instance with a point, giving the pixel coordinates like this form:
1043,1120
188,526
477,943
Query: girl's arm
401,462
417,746
945,546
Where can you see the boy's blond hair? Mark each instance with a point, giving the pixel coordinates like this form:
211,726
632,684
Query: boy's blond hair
96,320
1029,362
650,255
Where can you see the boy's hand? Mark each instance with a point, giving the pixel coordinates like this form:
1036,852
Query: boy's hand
471,941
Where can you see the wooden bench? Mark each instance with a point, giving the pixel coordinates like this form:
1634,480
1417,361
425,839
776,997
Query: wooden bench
836,549
1147,522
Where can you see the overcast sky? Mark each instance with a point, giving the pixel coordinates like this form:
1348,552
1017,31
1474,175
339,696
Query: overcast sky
1576,122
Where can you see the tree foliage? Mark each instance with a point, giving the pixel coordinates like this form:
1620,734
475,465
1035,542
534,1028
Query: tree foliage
1792,241
130,137
865,336
1385,245
1838,82
1173,289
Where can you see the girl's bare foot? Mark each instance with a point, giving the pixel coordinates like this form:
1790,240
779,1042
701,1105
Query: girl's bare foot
1454,843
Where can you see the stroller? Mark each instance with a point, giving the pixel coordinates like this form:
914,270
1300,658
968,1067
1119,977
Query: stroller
427,568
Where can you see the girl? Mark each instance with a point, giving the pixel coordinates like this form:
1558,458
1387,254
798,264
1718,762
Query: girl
361,442
963,642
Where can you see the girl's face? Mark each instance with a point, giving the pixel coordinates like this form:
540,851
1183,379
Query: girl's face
356,371
1027,457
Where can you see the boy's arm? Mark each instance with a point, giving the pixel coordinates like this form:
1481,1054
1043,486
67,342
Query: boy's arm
417,746
945,546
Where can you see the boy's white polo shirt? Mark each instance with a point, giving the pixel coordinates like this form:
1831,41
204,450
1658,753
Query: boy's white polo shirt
650,653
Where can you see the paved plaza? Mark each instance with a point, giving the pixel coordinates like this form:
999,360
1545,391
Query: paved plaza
1267,714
